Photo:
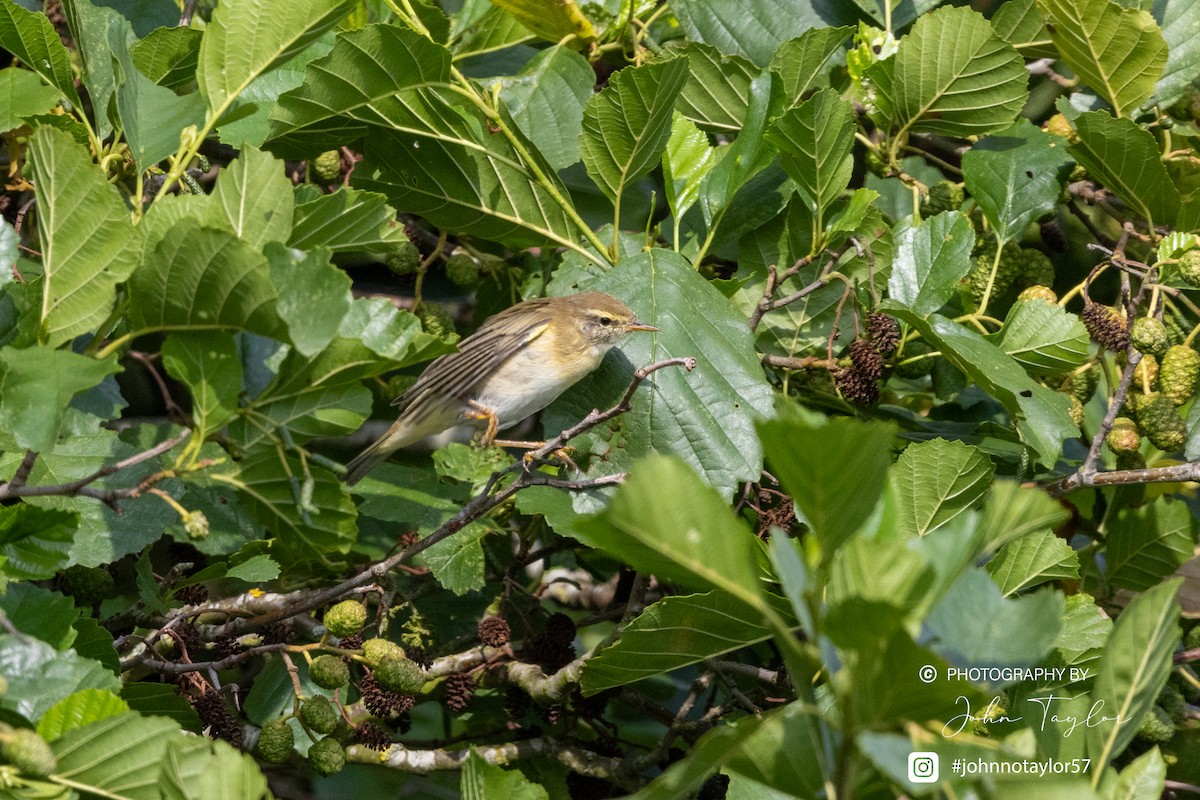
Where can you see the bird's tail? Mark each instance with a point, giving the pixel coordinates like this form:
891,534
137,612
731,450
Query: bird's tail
367,460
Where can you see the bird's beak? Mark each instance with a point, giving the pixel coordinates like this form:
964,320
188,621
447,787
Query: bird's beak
639,326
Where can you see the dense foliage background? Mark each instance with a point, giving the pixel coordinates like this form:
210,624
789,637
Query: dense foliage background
923,398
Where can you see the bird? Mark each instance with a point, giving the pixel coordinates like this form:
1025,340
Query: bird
515,365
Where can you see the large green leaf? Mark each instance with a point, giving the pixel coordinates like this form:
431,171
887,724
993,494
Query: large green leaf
546,99
626,126
81,708
975,625
38,677
89,26
35,387
168,56
1119,52
805,62
1124,157
204,279
314,295
1180,19
693,539
931,258
34,542
717,93
815,140
952,75
207,363
1040,414
1148,543
676,632
755,28
552,20
937,480
346,221
22,93
245,39
1016,176
88,243
41,613
199,768
705,417
254,199
31,38
1043,337
458,562
1032,560
1013,511
686,160
484,781
808,460
305,506
1133,668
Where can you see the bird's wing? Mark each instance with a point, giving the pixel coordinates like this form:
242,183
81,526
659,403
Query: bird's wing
478,356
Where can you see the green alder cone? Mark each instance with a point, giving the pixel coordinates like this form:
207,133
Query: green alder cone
1159,420
404,260
1171,700
1036,268
28,752
1146,373
319,714
1149,336
375,650
327,757
399,674
1082,385
462,270
88,585
1037,292
327,167
1156,726
346,618
436,320
943,196
1124,438
1178,372
1189,267
329,672
275,741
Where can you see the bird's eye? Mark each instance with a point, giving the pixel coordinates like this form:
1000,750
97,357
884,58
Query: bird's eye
606,320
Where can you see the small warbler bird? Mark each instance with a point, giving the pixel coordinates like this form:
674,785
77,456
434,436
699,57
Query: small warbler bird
515,365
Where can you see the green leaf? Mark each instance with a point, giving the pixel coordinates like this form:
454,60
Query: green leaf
1119,52
974,624
1043,337
815,140
314,295
246,39
1179,19
120,755
79,709
159,700
36,385
38,677
677,632
88,243
168,56
1032,560
483,781
272,484
208,364
626,126
805,62
346,221
685,162
716,95
931,259
39,612
936,481
89,26
951,75
198,768
1040,414
412,496
754,29
1013,511
22,93
1133,669
699,543
552,20
151,116
32,40
812,463
458,562
1016,176
1124,157
255,569
94,642
204,279
1143,779
706,416
1085,629
35,542
1148,543
253,199
546,99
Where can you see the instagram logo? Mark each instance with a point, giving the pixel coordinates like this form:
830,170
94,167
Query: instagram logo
923,767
